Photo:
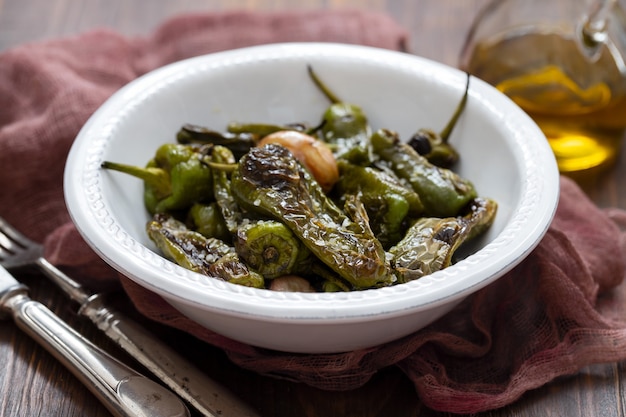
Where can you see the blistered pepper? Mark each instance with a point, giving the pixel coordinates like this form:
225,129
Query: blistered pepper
174,179
271,182
223,161
387,201
238,143
436,146
442,191
269,247
191,250
430,243
345,127
207,220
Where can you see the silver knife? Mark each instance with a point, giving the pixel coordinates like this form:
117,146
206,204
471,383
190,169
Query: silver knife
123,391
203,393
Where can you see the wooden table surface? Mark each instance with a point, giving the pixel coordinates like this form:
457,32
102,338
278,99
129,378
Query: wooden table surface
33,383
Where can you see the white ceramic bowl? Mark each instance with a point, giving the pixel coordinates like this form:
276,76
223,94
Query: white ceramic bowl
503,153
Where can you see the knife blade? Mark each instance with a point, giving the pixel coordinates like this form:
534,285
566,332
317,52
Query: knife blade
122,390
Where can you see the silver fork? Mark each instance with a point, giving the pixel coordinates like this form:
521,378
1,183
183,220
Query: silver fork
203,393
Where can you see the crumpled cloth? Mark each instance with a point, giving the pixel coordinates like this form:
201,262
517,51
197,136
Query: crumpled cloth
561,309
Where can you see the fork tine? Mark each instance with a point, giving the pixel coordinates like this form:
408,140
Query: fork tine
13,235
16,250
5,244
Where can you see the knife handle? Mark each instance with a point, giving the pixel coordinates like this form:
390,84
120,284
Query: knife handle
122,390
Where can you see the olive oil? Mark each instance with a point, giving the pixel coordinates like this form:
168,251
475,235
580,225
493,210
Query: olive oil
579,103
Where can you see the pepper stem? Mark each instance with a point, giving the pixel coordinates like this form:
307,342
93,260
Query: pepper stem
223,167
445,133
329,94
156,178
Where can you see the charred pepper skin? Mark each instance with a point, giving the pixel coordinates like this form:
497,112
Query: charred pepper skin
387,201
267,246
231,213
239,143
443,192
191,250
271,182
430,243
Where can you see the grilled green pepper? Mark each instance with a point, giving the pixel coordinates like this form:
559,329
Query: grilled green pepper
443,192
270,181
230,268
231,213
207,220
191,250
345,127
435,146
387,201
238,143
269,247
174,179
430,243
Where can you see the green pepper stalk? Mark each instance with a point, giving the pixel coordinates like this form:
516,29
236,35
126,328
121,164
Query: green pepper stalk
191,250
442,192
174,179
271,182
430,243
345,127
435,146
157,184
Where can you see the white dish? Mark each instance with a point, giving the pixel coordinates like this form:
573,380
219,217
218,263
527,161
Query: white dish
502,152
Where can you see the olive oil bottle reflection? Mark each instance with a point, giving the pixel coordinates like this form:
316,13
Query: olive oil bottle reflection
576,96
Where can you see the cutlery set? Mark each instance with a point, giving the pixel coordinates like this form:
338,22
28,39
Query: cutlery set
124,391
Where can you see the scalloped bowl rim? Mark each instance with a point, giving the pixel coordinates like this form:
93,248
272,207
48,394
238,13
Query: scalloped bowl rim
91,212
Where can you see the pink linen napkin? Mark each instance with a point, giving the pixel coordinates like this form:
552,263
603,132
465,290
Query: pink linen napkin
561,309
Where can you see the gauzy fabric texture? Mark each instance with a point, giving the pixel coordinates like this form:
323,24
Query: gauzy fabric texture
561,309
